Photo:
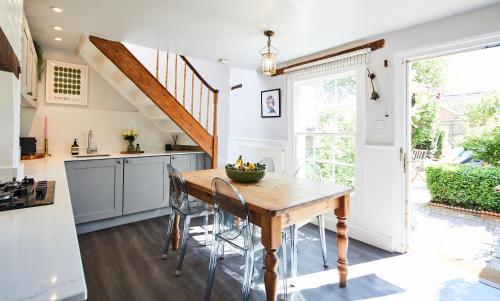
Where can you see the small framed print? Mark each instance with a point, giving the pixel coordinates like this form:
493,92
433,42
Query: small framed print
270,103
66,83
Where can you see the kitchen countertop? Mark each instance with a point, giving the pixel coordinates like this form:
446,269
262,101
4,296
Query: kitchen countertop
39,253
119,155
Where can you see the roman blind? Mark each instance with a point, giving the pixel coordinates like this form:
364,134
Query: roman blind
336,63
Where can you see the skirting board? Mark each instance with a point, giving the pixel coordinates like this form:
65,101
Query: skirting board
374,239
120,220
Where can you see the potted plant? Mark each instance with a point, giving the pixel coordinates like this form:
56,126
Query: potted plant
130,135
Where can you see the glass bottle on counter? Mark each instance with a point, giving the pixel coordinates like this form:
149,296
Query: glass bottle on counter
75,149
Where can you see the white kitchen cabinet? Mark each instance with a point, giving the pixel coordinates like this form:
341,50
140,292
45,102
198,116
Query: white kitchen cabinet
145,183
96,188
110,192
29,68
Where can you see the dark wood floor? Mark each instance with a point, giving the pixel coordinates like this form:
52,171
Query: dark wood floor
123,263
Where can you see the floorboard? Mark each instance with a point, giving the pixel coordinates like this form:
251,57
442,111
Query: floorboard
124,263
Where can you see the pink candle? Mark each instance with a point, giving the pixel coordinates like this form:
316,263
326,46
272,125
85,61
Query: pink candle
46,128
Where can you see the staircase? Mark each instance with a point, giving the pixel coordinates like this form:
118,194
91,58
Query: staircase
183,102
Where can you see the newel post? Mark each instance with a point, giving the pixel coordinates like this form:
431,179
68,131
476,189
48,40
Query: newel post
215,138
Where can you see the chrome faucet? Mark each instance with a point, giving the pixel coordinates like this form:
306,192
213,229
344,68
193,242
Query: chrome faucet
90,147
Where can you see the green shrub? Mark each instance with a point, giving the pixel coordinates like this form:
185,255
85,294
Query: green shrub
466,186
439,144
485,146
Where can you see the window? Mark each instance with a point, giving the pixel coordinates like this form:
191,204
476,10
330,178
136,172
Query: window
325,128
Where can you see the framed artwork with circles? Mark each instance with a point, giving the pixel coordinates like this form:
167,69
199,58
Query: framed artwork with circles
66,83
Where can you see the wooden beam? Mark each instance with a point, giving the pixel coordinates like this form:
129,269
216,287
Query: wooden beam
119,55
8,58
372,45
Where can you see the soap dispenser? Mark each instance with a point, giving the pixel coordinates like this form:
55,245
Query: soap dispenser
75,149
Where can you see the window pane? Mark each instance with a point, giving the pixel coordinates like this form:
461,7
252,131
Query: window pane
344,175
345,149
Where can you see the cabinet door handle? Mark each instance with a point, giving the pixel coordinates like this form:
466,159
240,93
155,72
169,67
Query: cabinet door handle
126,161
118,162
29,93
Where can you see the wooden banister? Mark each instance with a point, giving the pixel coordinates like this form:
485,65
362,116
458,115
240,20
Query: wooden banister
198,74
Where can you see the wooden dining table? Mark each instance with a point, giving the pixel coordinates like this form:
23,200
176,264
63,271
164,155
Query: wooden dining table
274,203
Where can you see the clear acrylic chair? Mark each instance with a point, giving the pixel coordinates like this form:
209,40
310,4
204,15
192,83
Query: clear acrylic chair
269,162
186,207
232,227
294,228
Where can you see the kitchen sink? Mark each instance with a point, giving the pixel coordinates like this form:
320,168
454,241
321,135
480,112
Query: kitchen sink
91,156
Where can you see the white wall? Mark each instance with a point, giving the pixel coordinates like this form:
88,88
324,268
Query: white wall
107,114
10,91
373,219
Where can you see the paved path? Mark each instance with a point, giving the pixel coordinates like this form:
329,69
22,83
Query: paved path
472,242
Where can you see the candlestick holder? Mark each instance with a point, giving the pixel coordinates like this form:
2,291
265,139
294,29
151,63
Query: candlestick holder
46,148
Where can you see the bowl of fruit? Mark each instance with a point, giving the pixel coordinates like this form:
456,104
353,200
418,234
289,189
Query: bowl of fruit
245,172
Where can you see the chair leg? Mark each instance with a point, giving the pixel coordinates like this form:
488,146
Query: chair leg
206,230
170,225
211,269
221,254
249,263
322,237
185,236
293,246
283,269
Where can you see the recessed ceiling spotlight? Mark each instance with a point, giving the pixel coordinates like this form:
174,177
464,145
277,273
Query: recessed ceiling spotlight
58,28
56,9
57,39
223,61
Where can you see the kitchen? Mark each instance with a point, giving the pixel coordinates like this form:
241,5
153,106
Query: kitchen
129,127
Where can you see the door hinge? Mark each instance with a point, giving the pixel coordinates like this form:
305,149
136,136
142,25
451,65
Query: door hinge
403,157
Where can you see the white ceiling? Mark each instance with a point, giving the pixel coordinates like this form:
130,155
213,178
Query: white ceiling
232,29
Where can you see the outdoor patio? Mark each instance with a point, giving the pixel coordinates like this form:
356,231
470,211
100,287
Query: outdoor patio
465,240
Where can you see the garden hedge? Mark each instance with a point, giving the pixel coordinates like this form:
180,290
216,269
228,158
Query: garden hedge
466,186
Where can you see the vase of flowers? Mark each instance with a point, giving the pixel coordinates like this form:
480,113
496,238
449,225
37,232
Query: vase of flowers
130,135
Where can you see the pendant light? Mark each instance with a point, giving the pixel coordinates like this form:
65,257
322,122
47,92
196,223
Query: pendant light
268,53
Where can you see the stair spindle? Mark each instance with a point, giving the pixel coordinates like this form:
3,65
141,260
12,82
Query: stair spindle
208,107
192,94
166,74
199,109
175,79
157,62
184,88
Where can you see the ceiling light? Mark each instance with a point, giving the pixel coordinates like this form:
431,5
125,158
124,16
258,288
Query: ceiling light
56,9
58,28
223,61
268,53
57,39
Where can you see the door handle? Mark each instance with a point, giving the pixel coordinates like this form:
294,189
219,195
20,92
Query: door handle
118,162
126,161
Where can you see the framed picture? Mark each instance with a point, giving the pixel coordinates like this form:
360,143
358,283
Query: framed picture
270,103
66,83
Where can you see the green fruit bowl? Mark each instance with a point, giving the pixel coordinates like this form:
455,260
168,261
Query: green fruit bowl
246,176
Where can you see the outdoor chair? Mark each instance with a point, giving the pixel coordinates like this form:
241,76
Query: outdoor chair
417,162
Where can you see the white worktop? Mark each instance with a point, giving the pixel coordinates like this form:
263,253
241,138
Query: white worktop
39,253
